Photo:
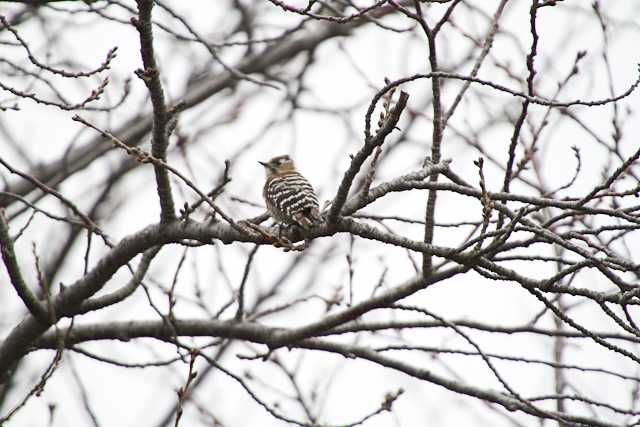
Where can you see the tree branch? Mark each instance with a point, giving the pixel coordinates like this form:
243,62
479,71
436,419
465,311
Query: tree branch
150,75
358,160
30,300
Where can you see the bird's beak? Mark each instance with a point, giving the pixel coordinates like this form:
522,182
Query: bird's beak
263,163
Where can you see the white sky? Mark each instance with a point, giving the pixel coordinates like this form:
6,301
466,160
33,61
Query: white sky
320,145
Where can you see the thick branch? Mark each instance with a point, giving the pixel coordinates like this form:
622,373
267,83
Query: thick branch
358,160
11,263
151,77
262,334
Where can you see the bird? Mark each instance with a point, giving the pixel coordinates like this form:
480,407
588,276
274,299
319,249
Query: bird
290,198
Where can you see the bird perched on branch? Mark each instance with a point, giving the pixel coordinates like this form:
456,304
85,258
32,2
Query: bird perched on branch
290,198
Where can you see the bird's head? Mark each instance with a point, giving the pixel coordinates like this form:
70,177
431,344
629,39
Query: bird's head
278,165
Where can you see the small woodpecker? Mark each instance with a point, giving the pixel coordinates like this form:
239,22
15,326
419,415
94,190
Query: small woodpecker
290,198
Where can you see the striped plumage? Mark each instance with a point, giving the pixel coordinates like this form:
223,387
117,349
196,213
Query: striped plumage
289,197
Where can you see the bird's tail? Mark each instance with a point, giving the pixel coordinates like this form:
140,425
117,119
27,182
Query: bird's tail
308,218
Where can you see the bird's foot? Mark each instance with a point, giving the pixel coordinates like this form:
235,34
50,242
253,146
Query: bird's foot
277,240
